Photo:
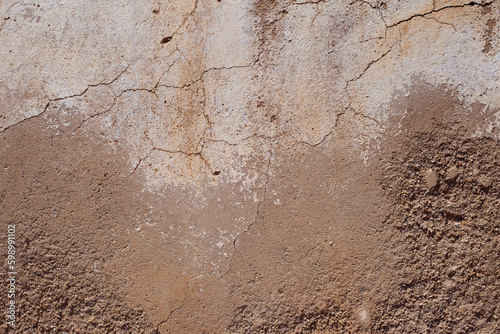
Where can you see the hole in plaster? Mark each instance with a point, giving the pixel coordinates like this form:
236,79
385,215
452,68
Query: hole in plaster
165,40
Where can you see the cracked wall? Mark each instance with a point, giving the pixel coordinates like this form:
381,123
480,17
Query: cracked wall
253,130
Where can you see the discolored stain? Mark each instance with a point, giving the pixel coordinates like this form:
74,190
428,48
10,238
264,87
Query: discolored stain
70,202
489,35
428,108
441,230
303,263
269,14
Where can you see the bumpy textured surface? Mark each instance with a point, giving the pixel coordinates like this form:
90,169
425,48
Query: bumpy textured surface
228,166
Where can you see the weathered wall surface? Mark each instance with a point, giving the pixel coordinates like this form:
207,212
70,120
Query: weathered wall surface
221,166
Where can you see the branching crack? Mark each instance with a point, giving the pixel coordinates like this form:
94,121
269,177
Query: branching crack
186,18
106,83
98,114
346,88
434,10
141,159
67,97
190,154
202,75
441,22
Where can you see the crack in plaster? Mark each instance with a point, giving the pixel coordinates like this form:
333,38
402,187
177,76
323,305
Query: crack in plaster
204,139
257,213
64,98
28,118
434,10
5,18
173,311
186,18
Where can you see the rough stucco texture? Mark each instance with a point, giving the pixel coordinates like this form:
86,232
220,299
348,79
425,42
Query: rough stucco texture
229,166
